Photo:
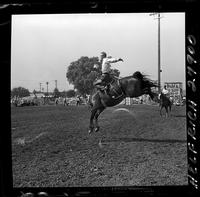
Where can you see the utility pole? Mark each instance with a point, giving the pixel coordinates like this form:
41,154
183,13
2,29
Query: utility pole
40,86
56,83
159,59
159,70
47,86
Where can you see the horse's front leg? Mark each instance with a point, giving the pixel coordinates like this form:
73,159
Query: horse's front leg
91,127
96,119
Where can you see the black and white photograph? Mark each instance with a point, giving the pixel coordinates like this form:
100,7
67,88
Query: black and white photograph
98,100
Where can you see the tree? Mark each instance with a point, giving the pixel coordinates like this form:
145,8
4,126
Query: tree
70,93
34,91
83,72
56,92
20,91
63,93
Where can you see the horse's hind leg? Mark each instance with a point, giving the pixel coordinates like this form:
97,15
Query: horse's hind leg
161,111
166,115
96,118
170,107
93,112
169,111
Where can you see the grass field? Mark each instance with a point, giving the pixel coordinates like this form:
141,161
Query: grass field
51,147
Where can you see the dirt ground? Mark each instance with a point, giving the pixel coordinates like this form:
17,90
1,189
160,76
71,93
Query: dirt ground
51,147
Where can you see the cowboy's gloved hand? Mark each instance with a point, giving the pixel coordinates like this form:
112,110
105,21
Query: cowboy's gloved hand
120,59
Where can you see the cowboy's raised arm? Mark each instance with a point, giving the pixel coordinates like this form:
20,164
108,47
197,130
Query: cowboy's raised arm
113,60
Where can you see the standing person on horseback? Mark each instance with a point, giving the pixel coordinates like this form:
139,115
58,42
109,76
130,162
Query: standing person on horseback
165,100
164,90
106,70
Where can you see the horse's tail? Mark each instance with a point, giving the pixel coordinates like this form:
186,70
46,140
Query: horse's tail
148,83
155,97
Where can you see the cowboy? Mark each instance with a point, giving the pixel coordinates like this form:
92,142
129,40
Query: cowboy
106,69
165,91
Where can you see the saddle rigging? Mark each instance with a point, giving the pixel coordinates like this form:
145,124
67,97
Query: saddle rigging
111,88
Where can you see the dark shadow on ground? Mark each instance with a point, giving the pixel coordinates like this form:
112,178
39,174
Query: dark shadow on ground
126,139
179,115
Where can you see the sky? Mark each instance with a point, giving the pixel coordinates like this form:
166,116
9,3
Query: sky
43,46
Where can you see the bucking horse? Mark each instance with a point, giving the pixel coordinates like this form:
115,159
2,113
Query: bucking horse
130,86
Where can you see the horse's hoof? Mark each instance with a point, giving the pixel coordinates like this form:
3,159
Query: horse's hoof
90,131
97,129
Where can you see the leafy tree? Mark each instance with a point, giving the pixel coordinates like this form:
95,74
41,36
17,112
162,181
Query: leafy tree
56,92
34,91
20,91
63,93
70,93
83,72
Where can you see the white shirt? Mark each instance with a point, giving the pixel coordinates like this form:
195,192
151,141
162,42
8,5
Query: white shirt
164,91
106,67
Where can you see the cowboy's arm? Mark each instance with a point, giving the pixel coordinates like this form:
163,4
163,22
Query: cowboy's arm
113,60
